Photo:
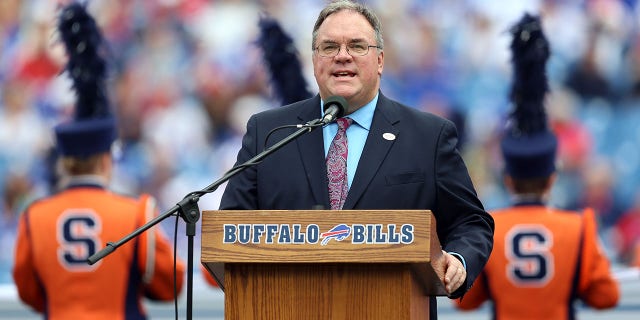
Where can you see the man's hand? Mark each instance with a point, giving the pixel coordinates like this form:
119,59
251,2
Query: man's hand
451,272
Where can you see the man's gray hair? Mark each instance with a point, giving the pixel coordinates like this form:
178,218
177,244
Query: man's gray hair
340,5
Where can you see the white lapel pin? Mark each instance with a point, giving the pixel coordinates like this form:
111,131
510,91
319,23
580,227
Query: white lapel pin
389,136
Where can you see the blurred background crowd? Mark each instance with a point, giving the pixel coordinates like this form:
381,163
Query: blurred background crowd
186,75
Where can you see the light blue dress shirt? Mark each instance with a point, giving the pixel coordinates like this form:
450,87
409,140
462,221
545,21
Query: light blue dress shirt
356,135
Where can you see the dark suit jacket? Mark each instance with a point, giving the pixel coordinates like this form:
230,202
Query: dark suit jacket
420,169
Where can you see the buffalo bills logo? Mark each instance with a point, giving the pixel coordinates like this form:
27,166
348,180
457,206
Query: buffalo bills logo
339,232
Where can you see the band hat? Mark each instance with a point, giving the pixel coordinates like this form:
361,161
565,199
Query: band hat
528,146
282,58
86,137
93,128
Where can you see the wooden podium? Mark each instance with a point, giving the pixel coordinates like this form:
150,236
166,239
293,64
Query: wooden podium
322,264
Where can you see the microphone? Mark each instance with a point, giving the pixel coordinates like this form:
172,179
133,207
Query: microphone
334,108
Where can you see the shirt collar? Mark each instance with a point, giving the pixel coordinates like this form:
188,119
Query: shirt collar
363,116
520,200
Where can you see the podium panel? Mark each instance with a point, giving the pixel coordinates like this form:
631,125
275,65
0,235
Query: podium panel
323,264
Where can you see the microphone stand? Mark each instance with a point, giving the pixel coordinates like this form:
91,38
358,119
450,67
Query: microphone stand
189,211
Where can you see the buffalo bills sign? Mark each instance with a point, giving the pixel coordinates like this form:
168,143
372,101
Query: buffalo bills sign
311,234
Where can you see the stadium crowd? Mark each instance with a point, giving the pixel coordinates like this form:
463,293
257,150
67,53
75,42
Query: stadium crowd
186,74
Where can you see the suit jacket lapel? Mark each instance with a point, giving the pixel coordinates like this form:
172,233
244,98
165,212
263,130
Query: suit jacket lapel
311,147
375,150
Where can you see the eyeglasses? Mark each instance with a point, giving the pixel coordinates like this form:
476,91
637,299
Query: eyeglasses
331,49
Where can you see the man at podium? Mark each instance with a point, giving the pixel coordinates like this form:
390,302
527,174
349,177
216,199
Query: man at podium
396,157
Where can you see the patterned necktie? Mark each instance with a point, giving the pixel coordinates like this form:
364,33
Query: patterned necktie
337,165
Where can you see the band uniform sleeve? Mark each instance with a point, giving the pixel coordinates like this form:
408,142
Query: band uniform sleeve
475,297
156,258
597,287
25,276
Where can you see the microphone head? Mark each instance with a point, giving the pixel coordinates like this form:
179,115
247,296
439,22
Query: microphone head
340,103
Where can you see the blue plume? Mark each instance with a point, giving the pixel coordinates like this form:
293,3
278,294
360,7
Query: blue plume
530,52
282,58
86,66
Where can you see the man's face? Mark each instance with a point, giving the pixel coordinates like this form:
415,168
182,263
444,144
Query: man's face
356,78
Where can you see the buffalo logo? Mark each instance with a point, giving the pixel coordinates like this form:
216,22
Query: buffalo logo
339,232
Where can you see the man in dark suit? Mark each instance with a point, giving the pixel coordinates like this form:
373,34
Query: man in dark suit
398,157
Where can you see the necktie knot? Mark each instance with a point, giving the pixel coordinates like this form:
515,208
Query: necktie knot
344,123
